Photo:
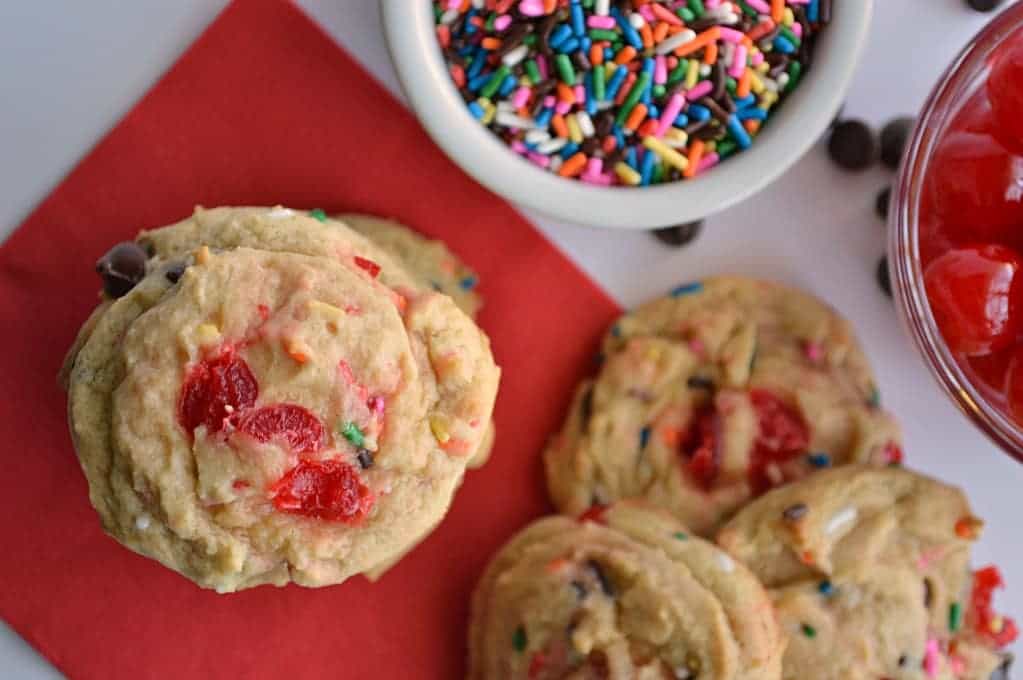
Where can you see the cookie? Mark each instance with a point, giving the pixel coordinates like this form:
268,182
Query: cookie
869,571
429,260
627,593
250,416
713,395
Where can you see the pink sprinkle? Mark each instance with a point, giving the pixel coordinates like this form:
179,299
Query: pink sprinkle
580,94
594,166
712,4
958,666
502,22
606,23
454,4
669,114
532,8
928,557
758,58
660,70
738,62
697,346
814,352
550,101
539,159
520,97
666,15
563,107
932,658
797,28
702,89
541,65
760,6
730,35
601,180
707,162
518,147
647,14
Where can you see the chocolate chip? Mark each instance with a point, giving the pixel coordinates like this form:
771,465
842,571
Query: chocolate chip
883,277
680,234
605,583
174,272
984,6
121,268
365,458
881,203
928,593
1002,672
794,513
894,137
853,145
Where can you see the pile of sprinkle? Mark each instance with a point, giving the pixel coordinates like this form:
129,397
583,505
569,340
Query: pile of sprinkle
627,92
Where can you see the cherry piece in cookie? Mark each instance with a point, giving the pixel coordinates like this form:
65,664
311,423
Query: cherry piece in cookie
701,448
782,435
974,294
300,429
329,490
215,391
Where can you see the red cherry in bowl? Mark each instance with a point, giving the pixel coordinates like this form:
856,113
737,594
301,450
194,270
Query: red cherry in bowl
974,293
976,190
1005,90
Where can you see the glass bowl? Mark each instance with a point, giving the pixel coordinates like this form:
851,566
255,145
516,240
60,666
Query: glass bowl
963,78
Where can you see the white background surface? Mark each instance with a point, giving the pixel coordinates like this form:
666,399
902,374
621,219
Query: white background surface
69,70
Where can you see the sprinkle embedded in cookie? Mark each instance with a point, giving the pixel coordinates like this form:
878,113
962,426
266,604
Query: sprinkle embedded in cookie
264,417
626,593
713,395
869,572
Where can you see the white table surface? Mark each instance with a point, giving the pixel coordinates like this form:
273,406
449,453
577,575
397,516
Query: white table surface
69,70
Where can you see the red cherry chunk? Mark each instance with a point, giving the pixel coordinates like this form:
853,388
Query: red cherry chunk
976,188
329,490
216,390
1005,90
782,435
294,425
974,294
701,451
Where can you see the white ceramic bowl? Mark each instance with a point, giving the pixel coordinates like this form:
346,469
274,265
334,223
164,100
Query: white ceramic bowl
806,114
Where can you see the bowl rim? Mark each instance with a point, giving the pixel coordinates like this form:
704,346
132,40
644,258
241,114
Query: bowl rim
905,267
422,72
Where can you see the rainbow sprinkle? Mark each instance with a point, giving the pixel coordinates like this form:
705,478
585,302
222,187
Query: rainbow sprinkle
631,92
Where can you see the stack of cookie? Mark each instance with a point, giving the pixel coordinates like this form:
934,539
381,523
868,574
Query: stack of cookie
268,396
735,509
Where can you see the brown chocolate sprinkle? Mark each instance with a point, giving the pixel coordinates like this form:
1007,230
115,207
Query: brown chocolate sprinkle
365,458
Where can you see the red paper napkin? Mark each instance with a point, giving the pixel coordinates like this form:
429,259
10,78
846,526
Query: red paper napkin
265,109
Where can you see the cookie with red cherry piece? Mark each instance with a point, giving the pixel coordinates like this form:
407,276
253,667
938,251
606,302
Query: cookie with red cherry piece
714,394
869,571
249,416
625,593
